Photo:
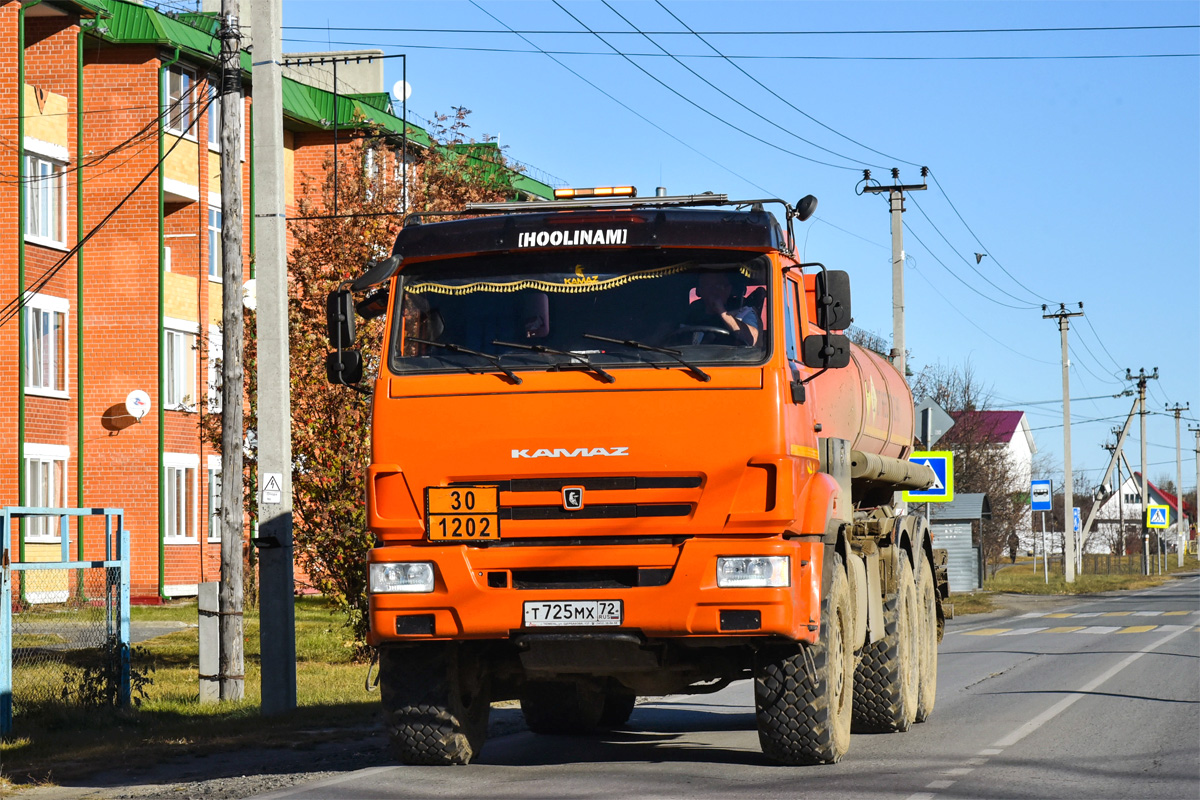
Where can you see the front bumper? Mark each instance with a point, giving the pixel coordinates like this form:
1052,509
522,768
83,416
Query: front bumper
468,603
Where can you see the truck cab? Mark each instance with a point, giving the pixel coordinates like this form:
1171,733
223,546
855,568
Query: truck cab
612,445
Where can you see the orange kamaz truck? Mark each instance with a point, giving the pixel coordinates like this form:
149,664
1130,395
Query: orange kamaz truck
622,447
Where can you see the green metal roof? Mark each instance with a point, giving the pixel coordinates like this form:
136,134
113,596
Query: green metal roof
127,22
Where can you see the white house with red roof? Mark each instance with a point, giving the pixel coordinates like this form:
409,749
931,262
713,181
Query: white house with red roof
1127,505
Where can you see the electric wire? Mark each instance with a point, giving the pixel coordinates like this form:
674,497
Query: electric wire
640,116
1065,29
14,306
733,99
958,277
698,106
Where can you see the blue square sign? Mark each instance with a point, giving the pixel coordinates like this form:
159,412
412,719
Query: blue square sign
1041,495
942,464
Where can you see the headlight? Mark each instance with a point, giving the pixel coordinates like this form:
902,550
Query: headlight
753,571
414,578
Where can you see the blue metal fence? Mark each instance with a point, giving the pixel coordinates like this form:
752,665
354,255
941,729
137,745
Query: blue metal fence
91,613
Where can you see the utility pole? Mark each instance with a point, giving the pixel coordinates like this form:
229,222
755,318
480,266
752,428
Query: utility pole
1120,499
896,195
232,671
1063,316
1180,517
1196,430
1141,379
277,632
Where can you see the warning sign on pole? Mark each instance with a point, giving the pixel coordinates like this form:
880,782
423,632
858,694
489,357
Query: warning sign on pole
1158,516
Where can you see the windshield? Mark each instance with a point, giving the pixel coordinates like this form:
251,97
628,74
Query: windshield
582,310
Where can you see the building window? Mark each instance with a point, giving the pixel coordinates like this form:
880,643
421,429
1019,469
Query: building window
214,243
216,343
214,115
45,200
46,345
181,366
214,498
45,487
179,476
178,102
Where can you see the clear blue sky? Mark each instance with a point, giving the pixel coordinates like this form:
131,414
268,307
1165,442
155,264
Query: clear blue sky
1079,176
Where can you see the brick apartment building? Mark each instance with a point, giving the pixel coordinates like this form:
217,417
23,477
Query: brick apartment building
96,96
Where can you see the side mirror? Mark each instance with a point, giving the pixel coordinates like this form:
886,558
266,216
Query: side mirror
339,317
344,367
833,300
805,208
377,272
825,351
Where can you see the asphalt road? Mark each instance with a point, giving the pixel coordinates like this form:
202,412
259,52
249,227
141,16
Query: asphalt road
1098,699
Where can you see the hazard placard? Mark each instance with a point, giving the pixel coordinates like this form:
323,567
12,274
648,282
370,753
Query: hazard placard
272,488
942,464
1158,516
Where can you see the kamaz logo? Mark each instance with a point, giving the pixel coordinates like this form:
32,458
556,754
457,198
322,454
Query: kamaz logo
579,452
572,238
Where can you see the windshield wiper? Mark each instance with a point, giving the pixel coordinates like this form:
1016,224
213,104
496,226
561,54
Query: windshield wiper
454,348
538,348
699,373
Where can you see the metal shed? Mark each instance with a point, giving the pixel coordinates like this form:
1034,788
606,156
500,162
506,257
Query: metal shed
950,525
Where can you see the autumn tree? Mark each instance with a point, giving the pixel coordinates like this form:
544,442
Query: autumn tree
331,424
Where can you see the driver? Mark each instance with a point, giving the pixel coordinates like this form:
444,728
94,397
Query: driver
721,305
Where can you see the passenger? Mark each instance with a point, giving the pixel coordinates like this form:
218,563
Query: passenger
722,305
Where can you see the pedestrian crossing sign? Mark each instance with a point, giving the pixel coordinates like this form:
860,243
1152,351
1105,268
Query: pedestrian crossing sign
942,464
1158,516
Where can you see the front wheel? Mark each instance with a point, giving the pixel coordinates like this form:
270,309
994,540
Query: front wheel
802,699
435,702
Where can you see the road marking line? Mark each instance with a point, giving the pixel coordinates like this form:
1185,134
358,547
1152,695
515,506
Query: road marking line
1064,629
1100,629
1060,615
1031,615
958,771
990,751
976,762
1089,613
1177,613
1176,627
986,631
1062,705
1116,613
1147,613
940,784
1137,629
1020,631
922,796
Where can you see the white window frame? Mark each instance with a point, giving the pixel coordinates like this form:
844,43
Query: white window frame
45,530
216,343
214,115
213,475
45,194
178,121
213,225
37,308
180,471
179,345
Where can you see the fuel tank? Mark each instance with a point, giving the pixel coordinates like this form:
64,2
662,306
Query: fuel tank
867,403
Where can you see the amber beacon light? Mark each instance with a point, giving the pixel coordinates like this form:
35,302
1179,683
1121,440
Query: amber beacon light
598,191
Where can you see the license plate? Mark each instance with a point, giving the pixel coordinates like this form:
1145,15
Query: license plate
462,513
552,613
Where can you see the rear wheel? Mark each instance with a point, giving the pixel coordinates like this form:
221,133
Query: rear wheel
927,639
435,702
887,679
618,707
802,700
562,707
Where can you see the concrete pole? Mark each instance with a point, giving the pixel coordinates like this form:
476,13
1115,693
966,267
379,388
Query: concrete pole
1068,486
277,632
232,672
1145,480
1180,517
897,203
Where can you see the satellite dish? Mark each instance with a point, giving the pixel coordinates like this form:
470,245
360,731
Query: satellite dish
250,294
401,90
137,404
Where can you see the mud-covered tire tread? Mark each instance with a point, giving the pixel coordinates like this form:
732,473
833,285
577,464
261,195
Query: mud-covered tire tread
927,643
426,718
563,708
799,721
878,691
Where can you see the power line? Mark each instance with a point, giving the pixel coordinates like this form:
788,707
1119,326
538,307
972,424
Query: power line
640,116
696,105
959,278
929,31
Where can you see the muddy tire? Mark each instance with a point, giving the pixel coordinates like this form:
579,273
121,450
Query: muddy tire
562,707
435,702
618,707
886,682
927,640
802,699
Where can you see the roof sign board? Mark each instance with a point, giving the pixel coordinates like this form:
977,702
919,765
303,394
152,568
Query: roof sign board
1078,523
1158,516
942,464
1042,493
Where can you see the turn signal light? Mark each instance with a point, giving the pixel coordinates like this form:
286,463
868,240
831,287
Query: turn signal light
598,191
